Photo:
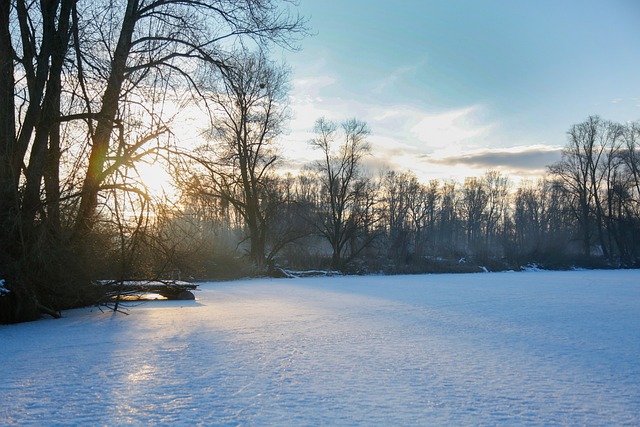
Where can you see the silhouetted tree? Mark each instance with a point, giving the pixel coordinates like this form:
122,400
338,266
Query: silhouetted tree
472,207
343,187
497,189
397,193
249,111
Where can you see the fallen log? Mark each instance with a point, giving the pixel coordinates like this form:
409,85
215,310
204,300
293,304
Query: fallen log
170,289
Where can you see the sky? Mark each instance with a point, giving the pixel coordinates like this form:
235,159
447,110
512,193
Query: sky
453,88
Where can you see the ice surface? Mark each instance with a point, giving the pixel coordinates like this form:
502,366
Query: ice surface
533,348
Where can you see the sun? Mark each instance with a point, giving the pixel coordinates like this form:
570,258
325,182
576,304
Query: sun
156,179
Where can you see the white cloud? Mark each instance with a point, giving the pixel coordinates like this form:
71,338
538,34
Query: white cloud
452,129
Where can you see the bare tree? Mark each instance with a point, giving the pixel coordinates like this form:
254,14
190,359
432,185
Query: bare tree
473,203
448,218
631,137
397,193
423,207
497,187
249,111
529,217
342,185
8,173
583,171
574,171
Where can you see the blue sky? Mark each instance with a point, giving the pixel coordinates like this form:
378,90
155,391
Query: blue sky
451,88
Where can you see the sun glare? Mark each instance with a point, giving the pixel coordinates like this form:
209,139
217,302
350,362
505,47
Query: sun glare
155,178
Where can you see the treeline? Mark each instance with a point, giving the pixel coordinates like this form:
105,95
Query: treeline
584,213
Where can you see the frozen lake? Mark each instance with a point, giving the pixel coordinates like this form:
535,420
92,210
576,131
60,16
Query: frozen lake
532,348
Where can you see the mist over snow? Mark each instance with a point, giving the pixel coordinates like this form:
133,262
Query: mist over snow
531,348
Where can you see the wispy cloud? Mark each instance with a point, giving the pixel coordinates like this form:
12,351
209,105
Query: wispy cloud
388,81
626,102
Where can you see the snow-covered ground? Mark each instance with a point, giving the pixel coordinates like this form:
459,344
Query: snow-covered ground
533,348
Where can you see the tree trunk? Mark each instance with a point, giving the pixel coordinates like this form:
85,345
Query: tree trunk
586,235
8,179
52,178
106,117
336,259
49,118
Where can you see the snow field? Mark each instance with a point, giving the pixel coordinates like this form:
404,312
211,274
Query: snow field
533,348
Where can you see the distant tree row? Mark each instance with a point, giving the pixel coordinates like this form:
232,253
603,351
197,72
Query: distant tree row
586,211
